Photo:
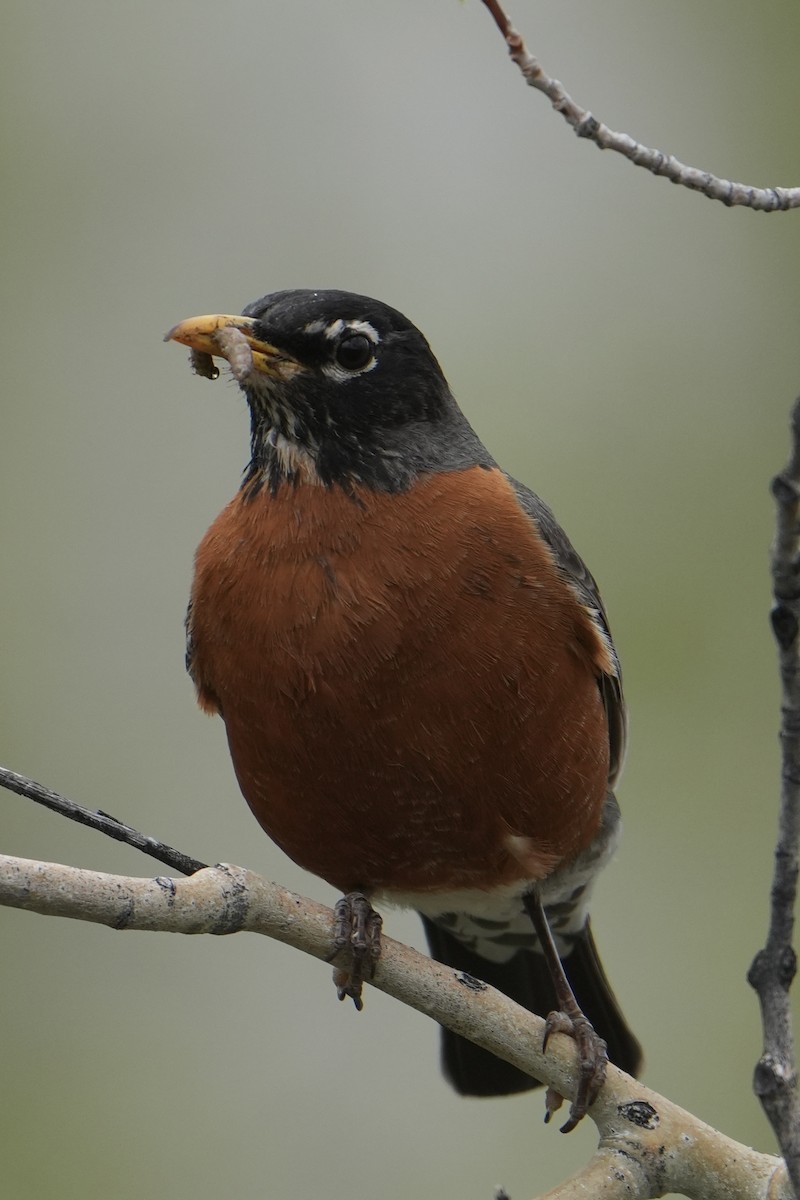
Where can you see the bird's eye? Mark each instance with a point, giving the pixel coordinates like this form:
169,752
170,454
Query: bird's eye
354,351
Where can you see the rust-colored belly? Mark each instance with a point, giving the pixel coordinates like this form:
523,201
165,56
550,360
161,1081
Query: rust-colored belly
408,686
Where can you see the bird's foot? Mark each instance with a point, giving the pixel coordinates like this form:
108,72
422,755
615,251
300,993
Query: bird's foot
356,932
568,1018
592,1063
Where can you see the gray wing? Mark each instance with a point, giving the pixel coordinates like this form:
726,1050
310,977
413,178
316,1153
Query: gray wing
187,625
580,579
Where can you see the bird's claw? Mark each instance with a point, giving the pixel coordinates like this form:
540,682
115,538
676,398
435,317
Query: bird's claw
357,932
592,1064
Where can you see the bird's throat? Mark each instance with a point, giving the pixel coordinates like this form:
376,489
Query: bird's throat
291,461
296,455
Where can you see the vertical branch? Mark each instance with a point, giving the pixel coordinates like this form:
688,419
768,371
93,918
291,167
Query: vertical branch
773,968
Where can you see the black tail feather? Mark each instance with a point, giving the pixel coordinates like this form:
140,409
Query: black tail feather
525,978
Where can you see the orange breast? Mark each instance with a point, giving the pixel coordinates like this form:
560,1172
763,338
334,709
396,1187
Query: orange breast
409,688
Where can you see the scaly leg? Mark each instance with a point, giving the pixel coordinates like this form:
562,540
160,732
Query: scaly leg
592,1051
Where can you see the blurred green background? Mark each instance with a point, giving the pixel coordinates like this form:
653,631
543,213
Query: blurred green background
628,348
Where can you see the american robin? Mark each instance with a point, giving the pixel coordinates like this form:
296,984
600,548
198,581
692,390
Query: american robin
421,696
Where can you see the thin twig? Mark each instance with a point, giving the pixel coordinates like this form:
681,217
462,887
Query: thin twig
773,969
648,1146
101,821
773,199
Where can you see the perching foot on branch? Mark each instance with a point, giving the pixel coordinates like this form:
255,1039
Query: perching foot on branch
356,937
569,1019
592,1060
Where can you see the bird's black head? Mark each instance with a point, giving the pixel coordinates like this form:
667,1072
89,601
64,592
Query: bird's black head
342,390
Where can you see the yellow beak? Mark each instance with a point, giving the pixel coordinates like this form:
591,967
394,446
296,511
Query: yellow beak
231,338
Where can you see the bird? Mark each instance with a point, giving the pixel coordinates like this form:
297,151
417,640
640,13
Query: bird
422,700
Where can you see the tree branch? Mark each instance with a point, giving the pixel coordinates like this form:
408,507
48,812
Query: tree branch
773,968
648,1146
587,126
100,821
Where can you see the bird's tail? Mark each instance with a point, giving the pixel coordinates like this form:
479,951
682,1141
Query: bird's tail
525,978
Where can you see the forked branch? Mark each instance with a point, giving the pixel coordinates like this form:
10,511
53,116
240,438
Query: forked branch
648,1146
